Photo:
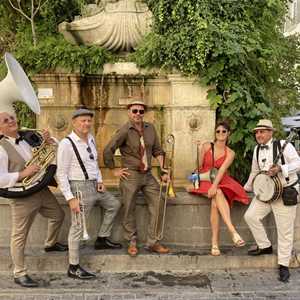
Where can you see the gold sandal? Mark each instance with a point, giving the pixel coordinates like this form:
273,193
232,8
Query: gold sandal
237,240
215,251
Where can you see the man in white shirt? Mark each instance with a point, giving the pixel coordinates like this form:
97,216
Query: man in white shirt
14,153
286,170
80,173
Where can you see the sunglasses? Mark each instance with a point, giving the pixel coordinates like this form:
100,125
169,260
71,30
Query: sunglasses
89,150
8,119
140,111
219,131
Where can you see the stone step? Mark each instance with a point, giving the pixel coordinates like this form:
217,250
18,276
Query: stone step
117,261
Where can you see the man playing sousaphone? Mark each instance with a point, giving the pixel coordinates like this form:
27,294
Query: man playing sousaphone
15,153
264,178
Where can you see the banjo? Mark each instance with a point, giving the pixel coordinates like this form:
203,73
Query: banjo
269,188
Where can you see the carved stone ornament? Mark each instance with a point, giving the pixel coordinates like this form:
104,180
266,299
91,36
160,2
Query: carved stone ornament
194,123
58,122
117,25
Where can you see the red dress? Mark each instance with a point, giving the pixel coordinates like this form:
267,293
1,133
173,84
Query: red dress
232,190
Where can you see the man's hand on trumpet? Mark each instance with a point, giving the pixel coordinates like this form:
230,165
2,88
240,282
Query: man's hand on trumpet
47,138
74,205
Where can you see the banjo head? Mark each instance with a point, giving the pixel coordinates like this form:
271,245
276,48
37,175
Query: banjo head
266,188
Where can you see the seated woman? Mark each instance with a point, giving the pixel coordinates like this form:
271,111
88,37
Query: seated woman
224,189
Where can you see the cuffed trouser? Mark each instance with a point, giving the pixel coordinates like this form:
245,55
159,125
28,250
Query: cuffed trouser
90,196
24,211
129,188
284,219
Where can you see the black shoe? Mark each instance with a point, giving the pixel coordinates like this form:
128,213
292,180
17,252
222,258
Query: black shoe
258,251
284,273
105,243
79,273
26,281
57,247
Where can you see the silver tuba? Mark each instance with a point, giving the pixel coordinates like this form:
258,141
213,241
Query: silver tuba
17,87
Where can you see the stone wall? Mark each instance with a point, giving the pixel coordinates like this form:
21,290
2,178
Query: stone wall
187,223
177,105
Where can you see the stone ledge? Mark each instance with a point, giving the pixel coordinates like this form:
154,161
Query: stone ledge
117,261
187,223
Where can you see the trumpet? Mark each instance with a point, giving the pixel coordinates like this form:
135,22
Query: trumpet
80,217
169,190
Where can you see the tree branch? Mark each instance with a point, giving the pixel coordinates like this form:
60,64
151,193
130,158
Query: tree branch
20,10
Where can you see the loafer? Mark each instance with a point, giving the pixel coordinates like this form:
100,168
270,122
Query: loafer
106,243
158,248
57,247
80,273
257,251
26,281
284,273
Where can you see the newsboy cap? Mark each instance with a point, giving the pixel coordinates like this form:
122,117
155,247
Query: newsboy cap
136,102
264,124
82,112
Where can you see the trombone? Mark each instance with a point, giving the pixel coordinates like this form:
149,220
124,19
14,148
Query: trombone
80,217
169,189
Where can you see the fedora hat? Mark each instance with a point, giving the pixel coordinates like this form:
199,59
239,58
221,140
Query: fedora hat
264,124
137,102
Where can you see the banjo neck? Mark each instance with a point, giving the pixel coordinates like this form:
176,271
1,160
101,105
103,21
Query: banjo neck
290,137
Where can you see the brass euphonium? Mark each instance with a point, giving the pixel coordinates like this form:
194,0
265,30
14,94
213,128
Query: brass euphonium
169,189
43,155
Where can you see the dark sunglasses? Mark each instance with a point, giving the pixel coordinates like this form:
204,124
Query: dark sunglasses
135,111
89,150
219,131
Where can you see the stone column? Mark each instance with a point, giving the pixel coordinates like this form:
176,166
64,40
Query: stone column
189,118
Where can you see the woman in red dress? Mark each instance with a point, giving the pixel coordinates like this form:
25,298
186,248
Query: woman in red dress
224,189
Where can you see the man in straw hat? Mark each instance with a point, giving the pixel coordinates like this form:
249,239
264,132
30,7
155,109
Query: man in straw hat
78,172
284,210
138,142
14,153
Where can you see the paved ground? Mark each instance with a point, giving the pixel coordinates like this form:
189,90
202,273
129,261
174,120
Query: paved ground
251,284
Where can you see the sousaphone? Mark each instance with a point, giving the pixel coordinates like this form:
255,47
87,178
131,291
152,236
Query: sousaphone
17,87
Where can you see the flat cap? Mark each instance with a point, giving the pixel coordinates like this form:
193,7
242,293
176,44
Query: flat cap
82,112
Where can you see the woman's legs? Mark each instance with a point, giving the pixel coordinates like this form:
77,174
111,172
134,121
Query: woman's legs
224,210
214,222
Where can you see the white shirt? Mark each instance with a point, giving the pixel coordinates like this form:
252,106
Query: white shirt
265,157
68,167
8,179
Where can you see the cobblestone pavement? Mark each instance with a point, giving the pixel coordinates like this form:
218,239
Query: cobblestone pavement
250,284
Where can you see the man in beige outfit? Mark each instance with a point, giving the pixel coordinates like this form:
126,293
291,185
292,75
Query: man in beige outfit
14,153
284,211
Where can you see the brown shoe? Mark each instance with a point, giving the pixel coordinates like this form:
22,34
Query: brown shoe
132,250
158,248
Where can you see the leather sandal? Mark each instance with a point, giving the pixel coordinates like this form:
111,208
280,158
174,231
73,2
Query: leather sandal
215,251
237,240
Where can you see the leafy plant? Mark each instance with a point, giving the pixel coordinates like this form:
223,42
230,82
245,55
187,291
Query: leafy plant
237,46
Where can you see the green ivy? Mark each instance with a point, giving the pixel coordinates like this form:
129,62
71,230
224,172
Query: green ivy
239,48
236,46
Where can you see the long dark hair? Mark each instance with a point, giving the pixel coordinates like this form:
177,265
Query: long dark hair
225,125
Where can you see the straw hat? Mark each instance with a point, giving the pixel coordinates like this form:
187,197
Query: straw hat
264,124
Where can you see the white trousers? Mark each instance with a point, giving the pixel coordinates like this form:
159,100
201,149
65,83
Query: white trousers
284,219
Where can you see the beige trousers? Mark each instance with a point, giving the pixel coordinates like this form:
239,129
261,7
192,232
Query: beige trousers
284,219
24,211
147,184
